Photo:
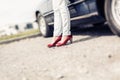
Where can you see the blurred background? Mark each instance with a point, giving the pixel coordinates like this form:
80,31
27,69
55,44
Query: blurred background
17,18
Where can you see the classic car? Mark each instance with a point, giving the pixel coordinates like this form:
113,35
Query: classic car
82,12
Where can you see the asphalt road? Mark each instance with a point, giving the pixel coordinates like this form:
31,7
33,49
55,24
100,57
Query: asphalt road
94,55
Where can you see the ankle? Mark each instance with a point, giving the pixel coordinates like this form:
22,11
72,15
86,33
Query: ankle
66,37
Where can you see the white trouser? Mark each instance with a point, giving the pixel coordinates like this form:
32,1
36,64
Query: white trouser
61,18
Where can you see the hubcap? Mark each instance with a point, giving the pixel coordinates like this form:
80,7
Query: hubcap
116,10
42,25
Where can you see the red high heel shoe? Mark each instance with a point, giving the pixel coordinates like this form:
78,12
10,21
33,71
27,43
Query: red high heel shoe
55,42
69,38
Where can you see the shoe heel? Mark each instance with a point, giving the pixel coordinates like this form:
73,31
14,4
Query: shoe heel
69,38
55,42
71,41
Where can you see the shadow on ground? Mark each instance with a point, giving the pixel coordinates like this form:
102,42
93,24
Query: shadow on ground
91,32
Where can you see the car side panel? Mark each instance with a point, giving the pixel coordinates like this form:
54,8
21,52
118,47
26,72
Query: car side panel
79,9
83,8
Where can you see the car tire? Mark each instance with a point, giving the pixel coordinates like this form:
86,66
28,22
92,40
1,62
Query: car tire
112,13
45,30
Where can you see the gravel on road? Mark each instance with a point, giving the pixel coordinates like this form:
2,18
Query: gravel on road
88,58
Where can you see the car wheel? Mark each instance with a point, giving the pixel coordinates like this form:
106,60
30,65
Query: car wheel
43,27
112,12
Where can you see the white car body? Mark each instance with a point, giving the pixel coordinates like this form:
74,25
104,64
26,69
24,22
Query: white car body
18,11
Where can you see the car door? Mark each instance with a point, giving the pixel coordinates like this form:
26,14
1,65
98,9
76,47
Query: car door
72,9
78,8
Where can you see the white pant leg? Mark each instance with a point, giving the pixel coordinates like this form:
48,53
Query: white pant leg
57,23
65,18
61,18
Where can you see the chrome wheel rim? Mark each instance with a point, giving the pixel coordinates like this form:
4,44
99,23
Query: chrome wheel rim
116,11
42,25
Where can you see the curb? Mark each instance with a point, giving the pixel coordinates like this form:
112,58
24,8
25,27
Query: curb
19,38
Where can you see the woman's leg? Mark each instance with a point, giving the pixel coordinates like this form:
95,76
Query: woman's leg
61,23
64,11
57,23
65,15
57,18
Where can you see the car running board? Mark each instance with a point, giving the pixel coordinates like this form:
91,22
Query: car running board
80,17
77,2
